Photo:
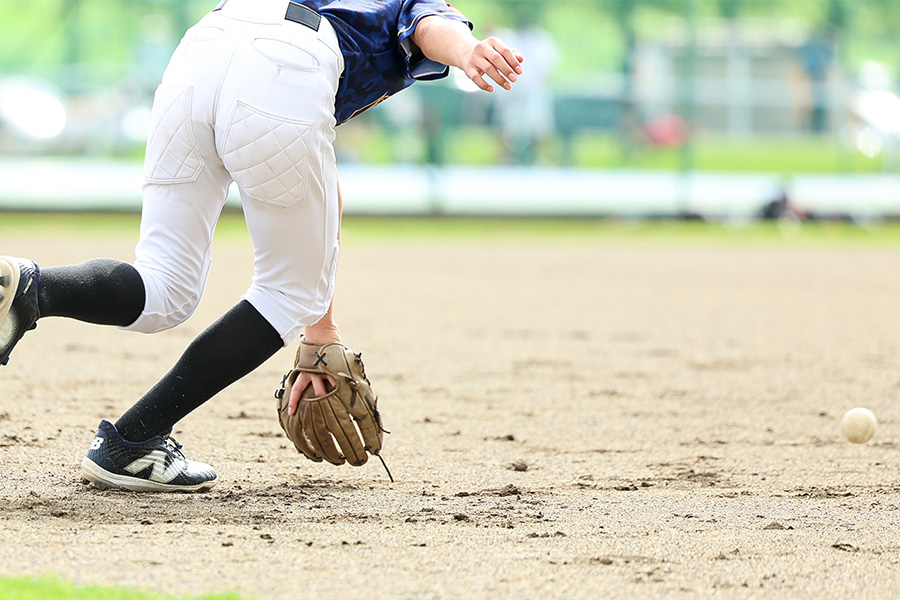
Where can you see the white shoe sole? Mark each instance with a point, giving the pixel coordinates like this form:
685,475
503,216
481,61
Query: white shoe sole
9,267
103,479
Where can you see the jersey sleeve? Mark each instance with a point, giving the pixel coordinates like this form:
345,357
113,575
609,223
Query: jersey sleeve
418,66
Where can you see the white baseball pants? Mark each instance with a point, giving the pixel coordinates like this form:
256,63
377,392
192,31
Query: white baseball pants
248,97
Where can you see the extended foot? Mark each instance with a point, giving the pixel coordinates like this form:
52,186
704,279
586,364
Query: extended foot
19,279
156,465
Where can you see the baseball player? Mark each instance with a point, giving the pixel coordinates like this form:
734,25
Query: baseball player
252,95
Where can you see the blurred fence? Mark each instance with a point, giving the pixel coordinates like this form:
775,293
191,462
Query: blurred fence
782,89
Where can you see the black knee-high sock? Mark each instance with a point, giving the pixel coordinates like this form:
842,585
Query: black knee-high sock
102,291
230,348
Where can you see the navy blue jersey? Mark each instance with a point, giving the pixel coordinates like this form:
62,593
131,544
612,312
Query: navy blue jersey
379,56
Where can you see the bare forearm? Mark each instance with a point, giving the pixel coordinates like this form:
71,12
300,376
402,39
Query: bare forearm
451,43
326,330
443,40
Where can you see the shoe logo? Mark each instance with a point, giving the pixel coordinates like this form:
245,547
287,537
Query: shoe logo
96,443
160,473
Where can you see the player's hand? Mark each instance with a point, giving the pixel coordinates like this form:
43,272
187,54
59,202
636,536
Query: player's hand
323,332
341,427
321,384
493,58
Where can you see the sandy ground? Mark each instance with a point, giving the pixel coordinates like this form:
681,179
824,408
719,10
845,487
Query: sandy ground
568,421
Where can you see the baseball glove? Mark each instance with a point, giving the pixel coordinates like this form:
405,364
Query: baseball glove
344,424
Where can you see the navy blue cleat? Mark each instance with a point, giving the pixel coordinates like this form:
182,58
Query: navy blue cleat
156,465
19,279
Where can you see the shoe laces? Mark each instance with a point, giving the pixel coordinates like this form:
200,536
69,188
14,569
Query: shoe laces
174,445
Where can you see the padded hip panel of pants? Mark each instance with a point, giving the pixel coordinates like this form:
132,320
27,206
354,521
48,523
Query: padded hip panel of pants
268,155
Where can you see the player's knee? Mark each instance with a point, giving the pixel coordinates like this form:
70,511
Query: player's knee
169,302
155,322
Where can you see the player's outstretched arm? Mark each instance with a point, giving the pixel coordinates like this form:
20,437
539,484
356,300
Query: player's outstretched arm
452,43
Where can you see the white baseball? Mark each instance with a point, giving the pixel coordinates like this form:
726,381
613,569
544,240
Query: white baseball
859,425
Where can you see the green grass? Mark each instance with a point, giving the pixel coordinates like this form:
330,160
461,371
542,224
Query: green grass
52,225
367,230
47,588
768,155
594,231
481,146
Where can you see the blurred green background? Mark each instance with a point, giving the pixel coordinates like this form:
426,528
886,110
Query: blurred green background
723,86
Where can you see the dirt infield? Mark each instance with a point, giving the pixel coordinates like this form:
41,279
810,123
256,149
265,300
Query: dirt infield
568,421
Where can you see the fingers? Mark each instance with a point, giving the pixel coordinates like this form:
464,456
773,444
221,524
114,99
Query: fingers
301,442
364,411
496,60
296,390
316,427
332,427
292,425
319,422
318,386
321,384
341,426
509,61
370,429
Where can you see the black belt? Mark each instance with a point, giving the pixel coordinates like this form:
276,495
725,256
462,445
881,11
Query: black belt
296,12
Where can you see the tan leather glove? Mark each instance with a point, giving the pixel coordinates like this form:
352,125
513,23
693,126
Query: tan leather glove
343,425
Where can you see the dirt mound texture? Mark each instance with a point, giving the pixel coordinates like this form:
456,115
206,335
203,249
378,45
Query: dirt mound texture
581,420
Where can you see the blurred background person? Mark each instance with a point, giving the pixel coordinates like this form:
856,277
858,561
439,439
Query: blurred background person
816,56
524,115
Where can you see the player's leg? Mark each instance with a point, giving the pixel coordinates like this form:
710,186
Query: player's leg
184,193
291,211
280,153
267,121
103,291
277,217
